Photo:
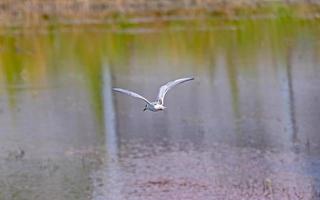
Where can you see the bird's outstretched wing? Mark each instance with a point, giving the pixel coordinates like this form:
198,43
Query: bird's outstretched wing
133,94
165,88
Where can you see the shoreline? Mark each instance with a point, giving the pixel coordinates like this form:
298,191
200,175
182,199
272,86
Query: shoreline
39,13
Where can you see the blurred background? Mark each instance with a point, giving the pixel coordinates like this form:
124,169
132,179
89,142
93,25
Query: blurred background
247,127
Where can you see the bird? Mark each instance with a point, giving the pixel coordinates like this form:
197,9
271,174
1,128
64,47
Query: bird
157,105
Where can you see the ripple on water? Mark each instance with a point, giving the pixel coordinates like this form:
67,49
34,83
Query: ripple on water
216,172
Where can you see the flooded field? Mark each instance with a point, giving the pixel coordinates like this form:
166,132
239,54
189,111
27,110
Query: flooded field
247,127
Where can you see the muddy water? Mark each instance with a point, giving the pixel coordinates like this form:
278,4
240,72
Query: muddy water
247,127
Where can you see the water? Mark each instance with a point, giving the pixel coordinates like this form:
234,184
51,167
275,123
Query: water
247,127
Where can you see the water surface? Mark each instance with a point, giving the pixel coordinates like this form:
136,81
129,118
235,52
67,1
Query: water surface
247,127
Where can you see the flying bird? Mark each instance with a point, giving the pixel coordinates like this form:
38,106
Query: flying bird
158,104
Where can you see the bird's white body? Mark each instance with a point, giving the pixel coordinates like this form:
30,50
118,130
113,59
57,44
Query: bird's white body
156,105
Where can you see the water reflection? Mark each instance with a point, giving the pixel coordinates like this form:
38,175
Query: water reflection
253,105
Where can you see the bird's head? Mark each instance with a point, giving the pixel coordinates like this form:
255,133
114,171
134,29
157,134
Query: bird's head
145,108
